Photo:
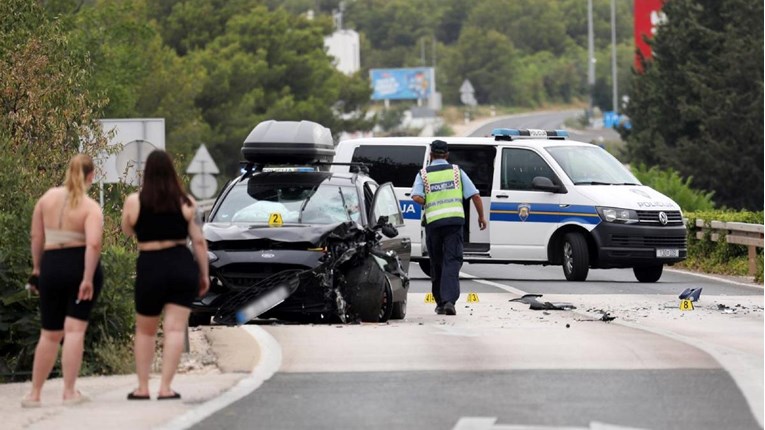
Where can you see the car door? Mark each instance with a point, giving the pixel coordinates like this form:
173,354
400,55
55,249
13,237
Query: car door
385,203
523,219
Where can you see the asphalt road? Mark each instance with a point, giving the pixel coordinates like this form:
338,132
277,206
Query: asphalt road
553,120
653,367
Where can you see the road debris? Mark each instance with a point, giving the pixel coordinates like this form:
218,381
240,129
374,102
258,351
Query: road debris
536,305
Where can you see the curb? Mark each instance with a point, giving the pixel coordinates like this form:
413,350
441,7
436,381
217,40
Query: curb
269,363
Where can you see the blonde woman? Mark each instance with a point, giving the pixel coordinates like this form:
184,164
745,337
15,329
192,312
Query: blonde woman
66,233
163,218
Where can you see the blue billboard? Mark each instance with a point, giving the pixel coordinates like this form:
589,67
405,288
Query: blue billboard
401,84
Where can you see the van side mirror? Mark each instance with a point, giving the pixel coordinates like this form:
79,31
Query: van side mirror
544,183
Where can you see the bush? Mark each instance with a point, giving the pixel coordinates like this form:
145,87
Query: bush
670,183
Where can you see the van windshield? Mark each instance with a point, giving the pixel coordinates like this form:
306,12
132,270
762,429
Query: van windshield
591,166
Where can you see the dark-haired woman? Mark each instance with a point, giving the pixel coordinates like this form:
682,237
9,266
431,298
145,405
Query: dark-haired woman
67,227
163,217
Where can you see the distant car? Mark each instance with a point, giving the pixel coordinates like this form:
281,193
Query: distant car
290,240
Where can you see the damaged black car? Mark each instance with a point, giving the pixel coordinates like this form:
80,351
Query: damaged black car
290,240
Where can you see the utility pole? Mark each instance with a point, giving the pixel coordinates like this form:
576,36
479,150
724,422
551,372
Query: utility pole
590,60
613,57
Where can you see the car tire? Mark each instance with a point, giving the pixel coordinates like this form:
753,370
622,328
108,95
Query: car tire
576,257
386,310
648,273
197,319
425,266
399,310
365,290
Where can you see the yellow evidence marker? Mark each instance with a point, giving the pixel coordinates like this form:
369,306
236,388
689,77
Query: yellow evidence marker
686,305
275,219
429,298
472,297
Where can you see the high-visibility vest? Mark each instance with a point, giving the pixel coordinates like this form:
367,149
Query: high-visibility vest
443,192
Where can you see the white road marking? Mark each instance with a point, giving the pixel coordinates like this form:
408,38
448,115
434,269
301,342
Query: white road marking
507,288
269,363
715,278
487,423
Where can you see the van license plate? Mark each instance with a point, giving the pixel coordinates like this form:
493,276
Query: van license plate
667,253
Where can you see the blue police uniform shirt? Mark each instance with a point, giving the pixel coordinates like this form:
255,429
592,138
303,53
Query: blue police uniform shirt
468,188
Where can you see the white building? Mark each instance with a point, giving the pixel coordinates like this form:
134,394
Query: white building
344,46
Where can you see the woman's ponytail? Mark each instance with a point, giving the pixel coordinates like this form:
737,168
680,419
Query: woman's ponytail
80,166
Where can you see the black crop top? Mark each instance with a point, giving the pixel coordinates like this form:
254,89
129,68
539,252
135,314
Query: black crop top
160,226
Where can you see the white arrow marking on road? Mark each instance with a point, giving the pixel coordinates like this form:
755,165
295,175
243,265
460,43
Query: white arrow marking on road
488,423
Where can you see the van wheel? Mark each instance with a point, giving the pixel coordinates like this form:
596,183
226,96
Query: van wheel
648,274
425,266
576,258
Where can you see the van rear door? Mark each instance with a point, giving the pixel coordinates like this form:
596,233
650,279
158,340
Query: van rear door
477,161
397,164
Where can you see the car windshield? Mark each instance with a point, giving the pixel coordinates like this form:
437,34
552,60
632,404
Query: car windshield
295,203
591,166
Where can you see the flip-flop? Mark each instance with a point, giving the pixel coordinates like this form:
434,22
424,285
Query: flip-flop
133,396
174,396
29,403
81,398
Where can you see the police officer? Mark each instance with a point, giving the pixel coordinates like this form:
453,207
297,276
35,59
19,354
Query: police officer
440,188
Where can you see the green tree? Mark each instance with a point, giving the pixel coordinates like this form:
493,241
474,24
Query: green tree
698,106
46,116
272,65
138,74
486,58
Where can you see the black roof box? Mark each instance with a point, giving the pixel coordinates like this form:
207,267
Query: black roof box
289,142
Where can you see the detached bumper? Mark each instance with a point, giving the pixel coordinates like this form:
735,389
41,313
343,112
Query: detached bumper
630,245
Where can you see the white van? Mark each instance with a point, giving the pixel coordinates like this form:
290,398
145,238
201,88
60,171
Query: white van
549,200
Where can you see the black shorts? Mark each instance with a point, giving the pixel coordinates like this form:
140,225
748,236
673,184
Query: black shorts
165,276
59,284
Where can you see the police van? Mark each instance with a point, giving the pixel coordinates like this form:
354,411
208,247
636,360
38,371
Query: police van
549,200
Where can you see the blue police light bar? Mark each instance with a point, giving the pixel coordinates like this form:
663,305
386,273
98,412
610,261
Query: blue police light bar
510,133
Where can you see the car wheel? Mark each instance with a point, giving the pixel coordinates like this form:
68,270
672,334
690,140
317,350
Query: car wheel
366,285
386,310
649,273
425,266
399,310
576,257
197,319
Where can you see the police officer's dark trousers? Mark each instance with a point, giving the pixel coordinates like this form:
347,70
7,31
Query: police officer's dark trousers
445,249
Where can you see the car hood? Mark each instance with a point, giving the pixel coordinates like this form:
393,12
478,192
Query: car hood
313,234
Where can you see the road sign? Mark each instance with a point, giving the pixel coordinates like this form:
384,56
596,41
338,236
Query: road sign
467,93
202,162
131,161
203,186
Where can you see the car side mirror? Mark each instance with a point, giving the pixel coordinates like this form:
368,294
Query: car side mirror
544,183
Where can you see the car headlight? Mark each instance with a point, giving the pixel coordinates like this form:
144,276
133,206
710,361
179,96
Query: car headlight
618,215
211,257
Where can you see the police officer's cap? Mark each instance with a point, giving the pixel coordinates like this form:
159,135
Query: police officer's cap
439,147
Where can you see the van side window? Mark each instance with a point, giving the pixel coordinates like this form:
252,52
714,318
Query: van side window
396,164
520,167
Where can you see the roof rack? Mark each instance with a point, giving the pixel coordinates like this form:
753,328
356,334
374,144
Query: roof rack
530,133
249,167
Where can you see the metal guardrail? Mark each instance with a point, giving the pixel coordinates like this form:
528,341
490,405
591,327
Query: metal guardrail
739,233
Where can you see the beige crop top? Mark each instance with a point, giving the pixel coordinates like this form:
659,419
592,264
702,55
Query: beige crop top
59,236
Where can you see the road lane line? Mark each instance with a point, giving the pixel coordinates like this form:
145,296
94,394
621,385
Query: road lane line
507,288
715,278
269,363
